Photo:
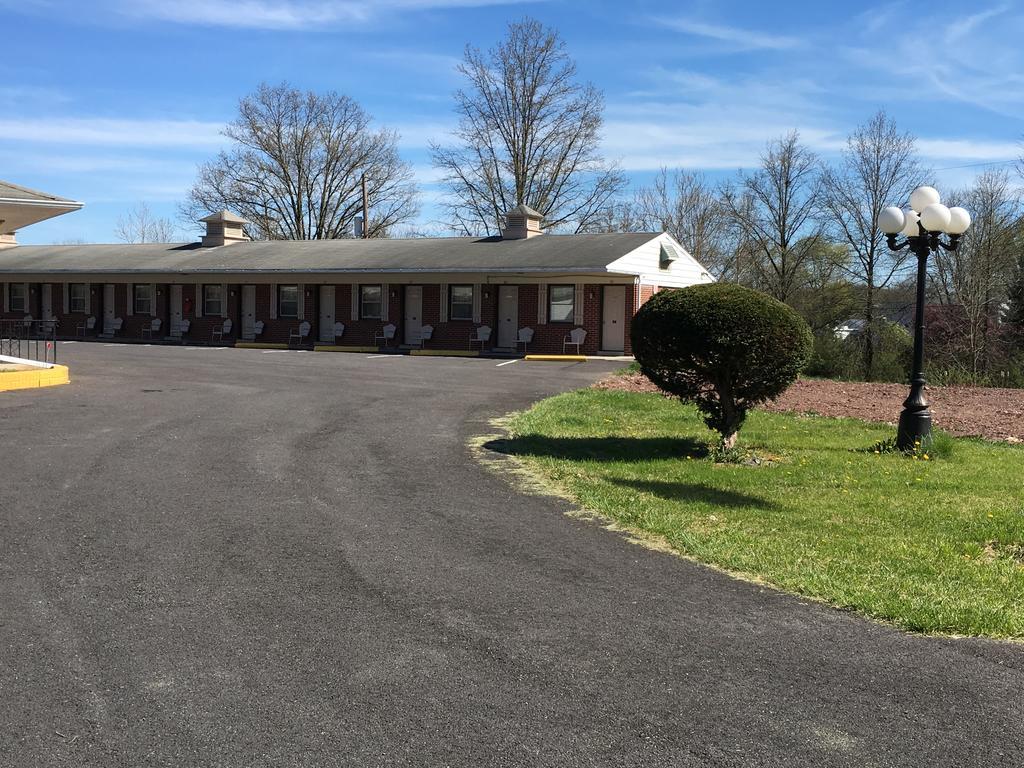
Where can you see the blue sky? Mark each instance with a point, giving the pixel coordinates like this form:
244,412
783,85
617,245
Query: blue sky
115,102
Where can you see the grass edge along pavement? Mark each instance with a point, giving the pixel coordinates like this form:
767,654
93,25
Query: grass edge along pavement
931,546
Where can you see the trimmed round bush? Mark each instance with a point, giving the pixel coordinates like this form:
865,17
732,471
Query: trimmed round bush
721,346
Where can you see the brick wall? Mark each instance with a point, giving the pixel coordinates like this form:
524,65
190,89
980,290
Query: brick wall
454,334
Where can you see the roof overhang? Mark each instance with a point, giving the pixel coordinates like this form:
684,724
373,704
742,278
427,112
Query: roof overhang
18,213
324,277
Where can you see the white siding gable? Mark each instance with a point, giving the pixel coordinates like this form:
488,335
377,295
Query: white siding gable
645,261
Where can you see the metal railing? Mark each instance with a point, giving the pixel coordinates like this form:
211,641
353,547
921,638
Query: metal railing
29,339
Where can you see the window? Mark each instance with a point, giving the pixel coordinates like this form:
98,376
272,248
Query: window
18,297
213,300
143,300
461,302
370,302
77,293
561,300
287,301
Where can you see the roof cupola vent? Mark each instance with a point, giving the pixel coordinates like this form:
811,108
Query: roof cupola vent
224,228
522,222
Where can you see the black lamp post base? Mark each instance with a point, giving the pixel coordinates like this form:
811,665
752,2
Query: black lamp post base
914,429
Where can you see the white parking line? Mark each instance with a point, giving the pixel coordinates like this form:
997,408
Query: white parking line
507,362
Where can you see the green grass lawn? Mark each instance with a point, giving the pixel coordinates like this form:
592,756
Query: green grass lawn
932,546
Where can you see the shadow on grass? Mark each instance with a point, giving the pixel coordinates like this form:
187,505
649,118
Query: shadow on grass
600,448
692,492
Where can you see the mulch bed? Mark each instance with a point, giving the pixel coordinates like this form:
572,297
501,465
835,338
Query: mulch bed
994,414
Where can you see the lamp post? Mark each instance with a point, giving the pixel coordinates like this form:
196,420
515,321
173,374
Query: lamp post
922,226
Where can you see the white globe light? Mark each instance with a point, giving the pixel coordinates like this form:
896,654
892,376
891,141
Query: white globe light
891,220
935,218
922,197
911,228
959,221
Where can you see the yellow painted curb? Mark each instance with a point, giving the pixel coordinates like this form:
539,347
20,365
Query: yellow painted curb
445,352
40,377
339,348
258,345
556,358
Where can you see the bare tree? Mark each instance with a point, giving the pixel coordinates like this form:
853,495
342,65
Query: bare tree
528,133
617,216
773,210
977,276
683,204
878,168
295,167
139,225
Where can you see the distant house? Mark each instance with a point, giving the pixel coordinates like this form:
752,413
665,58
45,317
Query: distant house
349,291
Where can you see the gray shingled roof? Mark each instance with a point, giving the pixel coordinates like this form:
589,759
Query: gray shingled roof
10,191
524,210
577,253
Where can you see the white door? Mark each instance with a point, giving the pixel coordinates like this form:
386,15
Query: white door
613,319
175,308
327,313
248,311
109,312
46,306
413,313
508,315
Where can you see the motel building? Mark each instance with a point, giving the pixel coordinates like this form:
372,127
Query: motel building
523,292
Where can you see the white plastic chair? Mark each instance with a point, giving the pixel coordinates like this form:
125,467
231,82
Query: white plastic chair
88,325
385,334
257,328
115,325
218,332
154,327
480,336
574,339
524,337
299,333
426,334
339,330
179,328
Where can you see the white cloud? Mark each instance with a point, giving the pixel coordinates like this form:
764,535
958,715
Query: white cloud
112,131
280,14
23,97
962,27
742,39
966,150
419,135
978,63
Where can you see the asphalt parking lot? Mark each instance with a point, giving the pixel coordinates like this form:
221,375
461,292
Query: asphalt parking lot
226,557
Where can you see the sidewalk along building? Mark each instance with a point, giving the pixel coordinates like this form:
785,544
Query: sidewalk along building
522,291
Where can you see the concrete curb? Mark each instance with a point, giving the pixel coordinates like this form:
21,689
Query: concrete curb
41,377
556,358
445,352
339,348
258,345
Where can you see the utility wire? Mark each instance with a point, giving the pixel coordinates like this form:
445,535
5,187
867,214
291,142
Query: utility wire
975,165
